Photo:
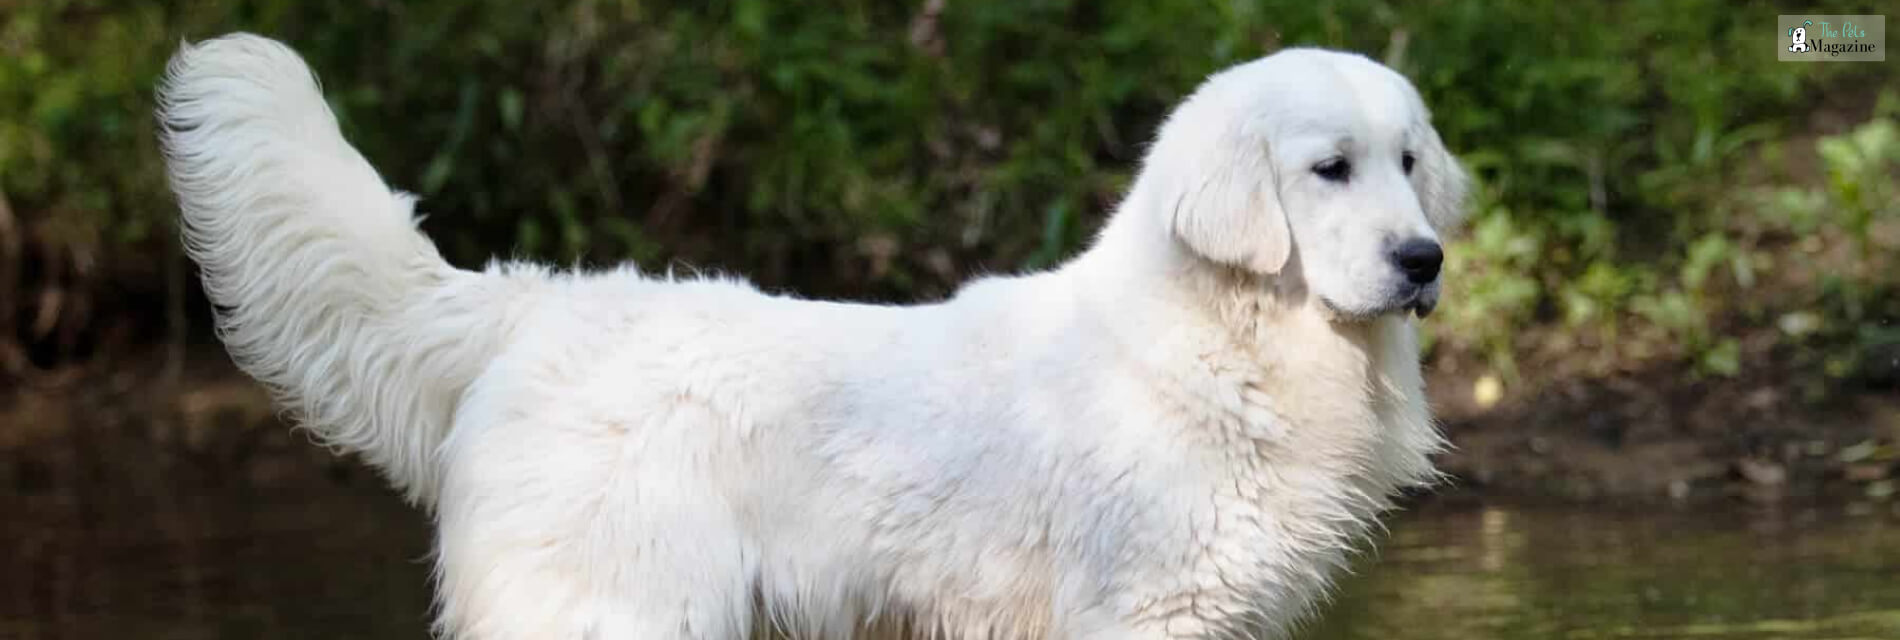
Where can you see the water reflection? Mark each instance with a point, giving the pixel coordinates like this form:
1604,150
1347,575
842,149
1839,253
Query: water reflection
1492,572
103,539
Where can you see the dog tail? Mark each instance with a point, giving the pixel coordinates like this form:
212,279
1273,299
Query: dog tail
325,291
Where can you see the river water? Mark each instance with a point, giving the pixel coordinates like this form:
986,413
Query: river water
111,544
1569,572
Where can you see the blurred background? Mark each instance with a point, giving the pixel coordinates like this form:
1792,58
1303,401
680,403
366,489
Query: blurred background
1668,353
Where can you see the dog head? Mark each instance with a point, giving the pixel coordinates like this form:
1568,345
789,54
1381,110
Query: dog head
1321,160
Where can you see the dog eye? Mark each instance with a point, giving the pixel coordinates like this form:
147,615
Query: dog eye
1405,161
1334,169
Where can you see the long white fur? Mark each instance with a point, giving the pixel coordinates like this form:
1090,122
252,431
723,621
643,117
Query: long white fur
1180,433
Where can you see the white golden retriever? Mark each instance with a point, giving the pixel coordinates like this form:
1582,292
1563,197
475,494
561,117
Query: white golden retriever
1179,434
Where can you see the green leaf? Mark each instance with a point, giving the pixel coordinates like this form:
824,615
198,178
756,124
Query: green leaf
510,105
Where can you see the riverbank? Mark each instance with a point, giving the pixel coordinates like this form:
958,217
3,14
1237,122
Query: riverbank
1656,436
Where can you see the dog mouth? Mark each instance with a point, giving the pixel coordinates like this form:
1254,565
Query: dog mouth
1421,303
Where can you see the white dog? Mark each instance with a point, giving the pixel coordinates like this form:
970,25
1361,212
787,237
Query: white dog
1799,35
1179,434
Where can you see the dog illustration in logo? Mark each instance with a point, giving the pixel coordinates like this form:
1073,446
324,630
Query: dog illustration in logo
1800,37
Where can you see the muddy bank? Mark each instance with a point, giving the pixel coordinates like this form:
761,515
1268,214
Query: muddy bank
1668,435
1653,435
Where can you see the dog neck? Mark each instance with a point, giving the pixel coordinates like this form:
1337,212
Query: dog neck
1148,280
1208,326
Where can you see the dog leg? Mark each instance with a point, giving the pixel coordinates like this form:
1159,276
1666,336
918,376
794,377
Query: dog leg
564,591
575,530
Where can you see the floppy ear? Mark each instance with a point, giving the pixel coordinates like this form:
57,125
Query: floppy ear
1442,184
1225,203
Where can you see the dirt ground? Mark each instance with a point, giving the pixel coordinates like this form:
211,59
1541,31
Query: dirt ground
1667,434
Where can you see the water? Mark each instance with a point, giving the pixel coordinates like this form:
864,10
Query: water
1495,572
109,541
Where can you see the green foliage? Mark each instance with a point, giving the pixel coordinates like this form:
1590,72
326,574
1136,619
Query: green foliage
1852,230
75,143
1615,161
887,150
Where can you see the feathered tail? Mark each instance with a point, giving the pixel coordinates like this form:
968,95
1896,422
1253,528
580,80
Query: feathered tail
326,291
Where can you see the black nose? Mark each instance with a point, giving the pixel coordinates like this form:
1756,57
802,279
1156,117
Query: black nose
1419,259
